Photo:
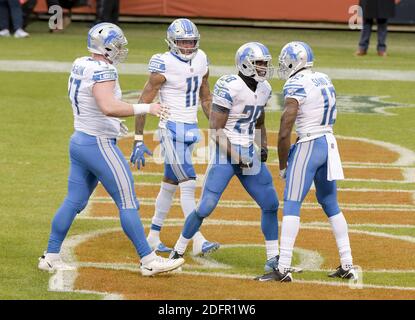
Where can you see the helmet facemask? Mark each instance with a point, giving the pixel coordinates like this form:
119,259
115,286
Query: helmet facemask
183,30
184,52
284,70
260,70
117,51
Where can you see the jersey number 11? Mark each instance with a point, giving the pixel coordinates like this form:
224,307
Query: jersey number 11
191,94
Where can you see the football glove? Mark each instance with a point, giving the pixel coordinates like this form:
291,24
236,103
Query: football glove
137,156
264,154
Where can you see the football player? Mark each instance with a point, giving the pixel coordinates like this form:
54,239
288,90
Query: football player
95,96
237,110
180,76
310,103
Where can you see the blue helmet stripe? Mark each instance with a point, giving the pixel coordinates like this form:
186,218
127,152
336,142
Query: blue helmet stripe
310,56
187,26
264,49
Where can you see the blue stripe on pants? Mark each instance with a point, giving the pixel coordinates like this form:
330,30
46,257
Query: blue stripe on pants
94,159
308,163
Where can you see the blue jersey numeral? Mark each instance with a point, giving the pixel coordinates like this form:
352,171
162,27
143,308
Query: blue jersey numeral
190,92
253,114
329,108
74,97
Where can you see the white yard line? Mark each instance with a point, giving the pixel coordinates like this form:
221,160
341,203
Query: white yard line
252,204
216,71
64,280
306,225
157,184
406,156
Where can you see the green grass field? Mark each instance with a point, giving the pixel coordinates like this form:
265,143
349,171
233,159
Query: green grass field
37,123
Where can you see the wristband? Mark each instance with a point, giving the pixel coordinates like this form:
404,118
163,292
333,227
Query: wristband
138,137
140,108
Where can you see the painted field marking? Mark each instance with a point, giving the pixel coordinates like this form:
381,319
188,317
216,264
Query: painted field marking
215,70
157,184
306,226
252,204
64,280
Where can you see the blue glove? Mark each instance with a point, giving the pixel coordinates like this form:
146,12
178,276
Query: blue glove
137,156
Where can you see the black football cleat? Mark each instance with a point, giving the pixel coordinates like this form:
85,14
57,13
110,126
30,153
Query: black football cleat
175,255
344,274
275,275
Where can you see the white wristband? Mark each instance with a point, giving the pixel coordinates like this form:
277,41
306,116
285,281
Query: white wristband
140,108
138,137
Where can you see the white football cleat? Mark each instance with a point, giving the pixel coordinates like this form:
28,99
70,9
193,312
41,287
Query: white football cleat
52,262
160,265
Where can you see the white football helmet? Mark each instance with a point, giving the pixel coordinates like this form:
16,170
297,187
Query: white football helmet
183,29
246,59
294,57
108,40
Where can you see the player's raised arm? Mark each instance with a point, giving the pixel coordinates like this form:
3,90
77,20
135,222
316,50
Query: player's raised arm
284,136
112,107
205,95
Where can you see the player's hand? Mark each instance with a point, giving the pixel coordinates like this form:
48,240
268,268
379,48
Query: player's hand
283,173
159,110
264,154
246,163
137,156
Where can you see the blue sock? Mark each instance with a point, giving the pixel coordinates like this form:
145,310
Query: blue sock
192,225
133,228
60,225
155,227
269,224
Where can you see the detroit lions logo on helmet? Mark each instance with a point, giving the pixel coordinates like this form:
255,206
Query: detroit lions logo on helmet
294,56
253,59
108,40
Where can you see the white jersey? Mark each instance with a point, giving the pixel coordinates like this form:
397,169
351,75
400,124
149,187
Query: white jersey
88,117
245,107
316,97
180,91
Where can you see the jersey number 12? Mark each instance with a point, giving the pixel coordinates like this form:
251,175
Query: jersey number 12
329,106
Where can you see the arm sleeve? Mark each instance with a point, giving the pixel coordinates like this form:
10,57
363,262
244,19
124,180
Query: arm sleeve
103,72
157,64
222,93
295,90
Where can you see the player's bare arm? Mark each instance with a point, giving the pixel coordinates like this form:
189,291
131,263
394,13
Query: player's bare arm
111,107
286,125
205,96
260,125
217,122
150,91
